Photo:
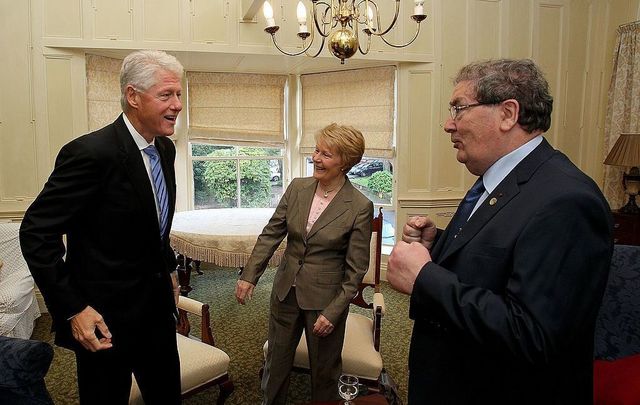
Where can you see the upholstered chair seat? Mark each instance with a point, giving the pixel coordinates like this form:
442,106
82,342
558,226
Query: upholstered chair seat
359,356
202,365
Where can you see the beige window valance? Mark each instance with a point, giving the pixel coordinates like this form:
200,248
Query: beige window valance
363,98
236,108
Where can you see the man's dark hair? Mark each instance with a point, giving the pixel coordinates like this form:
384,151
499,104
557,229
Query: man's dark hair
498,80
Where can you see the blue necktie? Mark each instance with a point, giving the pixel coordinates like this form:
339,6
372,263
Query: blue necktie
465,208
159,186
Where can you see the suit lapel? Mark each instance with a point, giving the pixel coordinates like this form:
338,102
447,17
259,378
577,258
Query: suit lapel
134,166
336,207
503,193
305,197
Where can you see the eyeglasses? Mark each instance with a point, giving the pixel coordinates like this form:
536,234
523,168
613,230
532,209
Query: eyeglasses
454,110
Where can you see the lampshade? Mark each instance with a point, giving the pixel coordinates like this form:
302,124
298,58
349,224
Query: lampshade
625,152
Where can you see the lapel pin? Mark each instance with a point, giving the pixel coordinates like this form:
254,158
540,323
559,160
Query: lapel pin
493,201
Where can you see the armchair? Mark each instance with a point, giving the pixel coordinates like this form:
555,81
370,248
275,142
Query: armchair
617,342
361,351
18,303
202,365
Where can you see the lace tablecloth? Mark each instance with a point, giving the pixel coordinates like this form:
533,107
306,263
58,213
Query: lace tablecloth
224,237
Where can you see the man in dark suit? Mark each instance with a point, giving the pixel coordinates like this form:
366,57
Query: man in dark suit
112,193
505,299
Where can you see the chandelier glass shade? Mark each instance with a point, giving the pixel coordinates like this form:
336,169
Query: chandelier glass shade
341,24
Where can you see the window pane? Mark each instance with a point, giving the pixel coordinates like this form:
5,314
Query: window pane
201,149
374,178
255,183
388,226
237,176
260,183
259,151
215,184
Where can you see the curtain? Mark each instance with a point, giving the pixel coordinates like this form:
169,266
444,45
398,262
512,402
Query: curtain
103,90
362,98
236,108
623,107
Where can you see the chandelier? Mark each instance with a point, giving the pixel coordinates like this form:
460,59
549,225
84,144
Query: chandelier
339,21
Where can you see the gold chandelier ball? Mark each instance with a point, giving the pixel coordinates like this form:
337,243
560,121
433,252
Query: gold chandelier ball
343,44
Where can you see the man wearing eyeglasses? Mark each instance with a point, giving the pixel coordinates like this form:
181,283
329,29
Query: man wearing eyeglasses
505,298
112,292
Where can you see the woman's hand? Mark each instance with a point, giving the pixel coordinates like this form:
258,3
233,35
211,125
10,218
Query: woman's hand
244,291
322,327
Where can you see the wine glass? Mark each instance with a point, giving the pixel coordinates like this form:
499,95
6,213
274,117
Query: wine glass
348,388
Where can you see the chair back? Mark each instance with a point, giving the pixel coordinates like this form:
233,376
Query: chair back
616,334
372,276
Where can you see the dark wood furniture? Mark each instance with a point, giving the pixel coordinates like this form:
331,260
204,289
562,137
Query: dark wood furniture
626,228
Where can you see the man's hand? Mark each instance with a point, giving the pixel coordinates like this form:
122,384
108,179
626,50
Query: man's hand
420,229
405,262
83,329
322,327
244,291
176,286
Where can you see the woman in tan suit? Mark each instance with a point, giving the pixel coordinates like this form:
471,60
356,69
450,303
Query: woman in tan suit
327,223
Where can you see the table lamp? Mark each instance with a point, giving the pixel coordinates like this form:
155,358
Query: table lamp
626,153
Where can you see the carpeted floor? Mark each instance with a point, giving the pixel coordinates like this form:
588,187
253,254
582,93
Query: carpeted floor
241,331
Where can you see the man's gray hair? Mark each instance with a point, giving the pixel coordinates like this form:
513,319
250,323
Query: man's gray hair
139,69
521,79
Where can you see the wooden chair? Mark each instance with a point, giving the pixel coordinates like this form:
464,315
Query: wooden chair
202,365
361,351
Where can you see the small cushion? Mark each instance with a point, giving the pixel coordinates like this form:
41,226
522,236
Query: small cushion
359,358
616,382
199,364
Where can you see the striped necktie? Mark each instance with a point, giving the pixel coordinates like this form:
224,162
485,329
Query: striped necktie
159,186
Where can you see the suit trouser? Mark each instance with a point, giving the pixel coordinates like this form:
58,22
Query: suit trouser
286,322
150,353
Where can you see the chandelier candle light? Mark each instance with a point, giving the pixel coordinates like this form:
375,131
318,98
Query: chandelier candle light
339,20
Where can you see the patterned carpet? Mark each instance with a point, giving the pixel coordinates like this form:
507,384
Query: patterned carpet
241,331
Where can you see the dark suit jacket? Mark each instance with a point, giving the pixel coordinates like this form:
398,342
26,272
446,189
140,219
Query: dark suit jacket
329,262
99,195
506,312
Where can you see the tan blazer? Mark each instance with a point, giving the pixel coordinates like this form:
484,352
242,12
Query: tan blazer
328,263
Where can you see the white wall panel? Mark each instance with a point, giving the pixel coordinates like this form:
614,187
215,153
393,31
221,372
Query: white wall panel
549,53
17,126
486,18
162,20
59,102
112,19
62,18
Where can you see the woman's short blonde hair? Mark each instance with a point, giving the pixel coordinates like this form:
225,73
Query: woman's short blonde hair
344,140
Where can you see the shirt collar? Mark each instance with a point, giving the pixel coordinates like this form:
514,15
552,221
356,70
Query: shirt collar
137,138
503,166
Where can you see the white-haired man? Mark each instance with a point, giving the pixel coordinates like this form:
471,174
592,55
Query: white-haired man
112,193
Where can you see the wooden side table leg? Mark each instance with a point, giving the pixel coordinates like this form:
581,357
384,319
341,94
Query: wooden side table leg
197,262
184,274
